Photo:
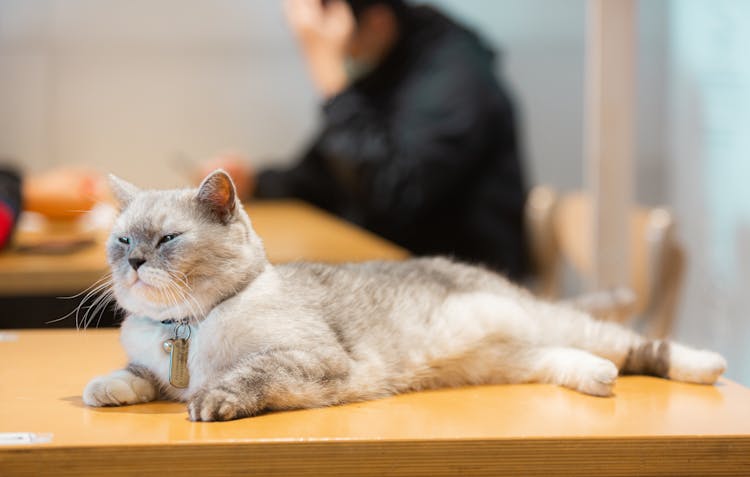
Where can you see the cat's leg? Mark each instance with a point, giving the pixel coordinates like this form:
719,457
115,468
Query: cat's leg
283,379
672,360
572,368
132,385
631,352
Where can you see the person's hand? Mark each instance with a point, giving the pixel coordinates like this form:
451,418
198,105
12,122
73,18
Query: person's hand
238,168
326,27
64,192
324,31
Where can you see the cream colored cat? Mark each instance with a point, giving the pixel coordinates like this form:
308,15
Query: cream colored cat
265,337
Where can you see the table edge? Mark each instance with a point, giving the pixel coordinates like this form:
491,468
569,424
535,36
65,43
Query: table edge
582,456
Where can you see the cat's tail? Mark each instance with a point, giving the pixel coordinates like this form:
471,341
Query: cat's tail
630,352
673,361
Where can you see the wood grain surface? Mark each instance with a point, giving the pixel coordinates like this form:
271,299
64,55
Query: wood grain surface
650,427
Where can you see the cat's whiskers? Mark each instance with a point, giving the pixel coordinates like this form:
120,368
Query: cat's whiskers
176,298
164,296
196,315
83,320
97,307
170,290
169,296
177,281
95,289
176,274
104,280
196,311
186,293
99,310
184,300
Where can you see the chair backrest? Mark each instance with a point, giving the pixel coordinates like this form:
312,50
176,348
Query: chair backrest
559,230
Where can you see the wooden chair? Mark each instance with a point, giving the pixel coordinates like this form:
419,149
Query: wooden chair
558,231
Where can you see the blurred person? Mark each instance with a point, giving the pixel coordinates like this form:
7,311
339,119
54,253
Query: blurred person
418,142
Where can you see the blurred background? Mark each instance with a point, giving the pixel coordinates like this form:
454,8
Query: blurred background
137,87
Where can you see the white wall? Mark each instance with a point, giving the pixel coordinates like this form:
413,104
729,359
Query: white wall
127,86
709,160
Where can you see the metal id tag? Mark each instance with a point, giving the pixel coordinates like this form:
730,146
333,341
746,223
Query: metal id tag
179,375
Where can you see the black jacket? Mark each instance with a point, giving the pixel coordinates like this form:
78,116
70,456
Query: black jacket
422,151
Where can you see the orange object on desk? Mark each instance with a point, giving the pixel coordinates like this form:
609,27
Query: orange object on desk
63,193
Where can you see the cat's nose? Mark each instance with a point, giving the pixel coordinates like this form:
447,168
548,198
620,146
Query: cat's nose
136,262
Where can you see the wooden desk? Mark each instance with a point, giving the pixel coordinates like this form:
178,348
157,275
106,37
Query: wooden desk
291,230
651,427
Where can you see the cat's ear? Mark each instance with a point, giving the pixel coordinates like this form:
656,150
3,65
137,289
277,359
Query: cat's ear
123,191
218,195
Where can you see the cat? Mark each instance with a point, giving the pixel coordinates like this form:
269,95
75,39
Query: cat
301,335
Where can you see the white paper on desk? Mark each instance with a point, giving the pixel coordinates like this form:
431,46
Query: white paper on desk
12,438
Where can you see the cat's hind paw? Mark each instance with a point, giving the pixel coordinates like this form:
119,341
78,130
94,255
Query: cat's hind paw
118,389
215,404
695,366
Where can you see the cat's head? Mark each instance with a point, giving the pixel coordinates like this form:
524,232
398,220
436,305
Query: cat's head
177,253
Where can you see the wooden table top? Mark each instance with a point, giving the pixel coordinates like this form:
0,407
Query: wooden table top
651,426
291,230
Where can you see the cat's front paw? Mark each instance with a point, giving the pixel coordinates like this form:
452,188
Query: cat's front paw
598,377
216,404
118,389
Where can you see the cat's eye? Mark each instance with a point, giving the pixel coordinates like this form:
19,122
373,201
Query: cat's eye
167,238
124,240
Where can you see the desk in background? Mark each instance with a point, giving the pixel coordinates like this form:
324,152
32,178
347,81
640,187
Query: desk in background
291,230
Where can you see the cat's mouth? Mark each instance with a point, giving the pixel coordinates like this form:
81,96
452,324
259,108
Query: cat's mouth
139,284
154,289
136,282
145,280
152,293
